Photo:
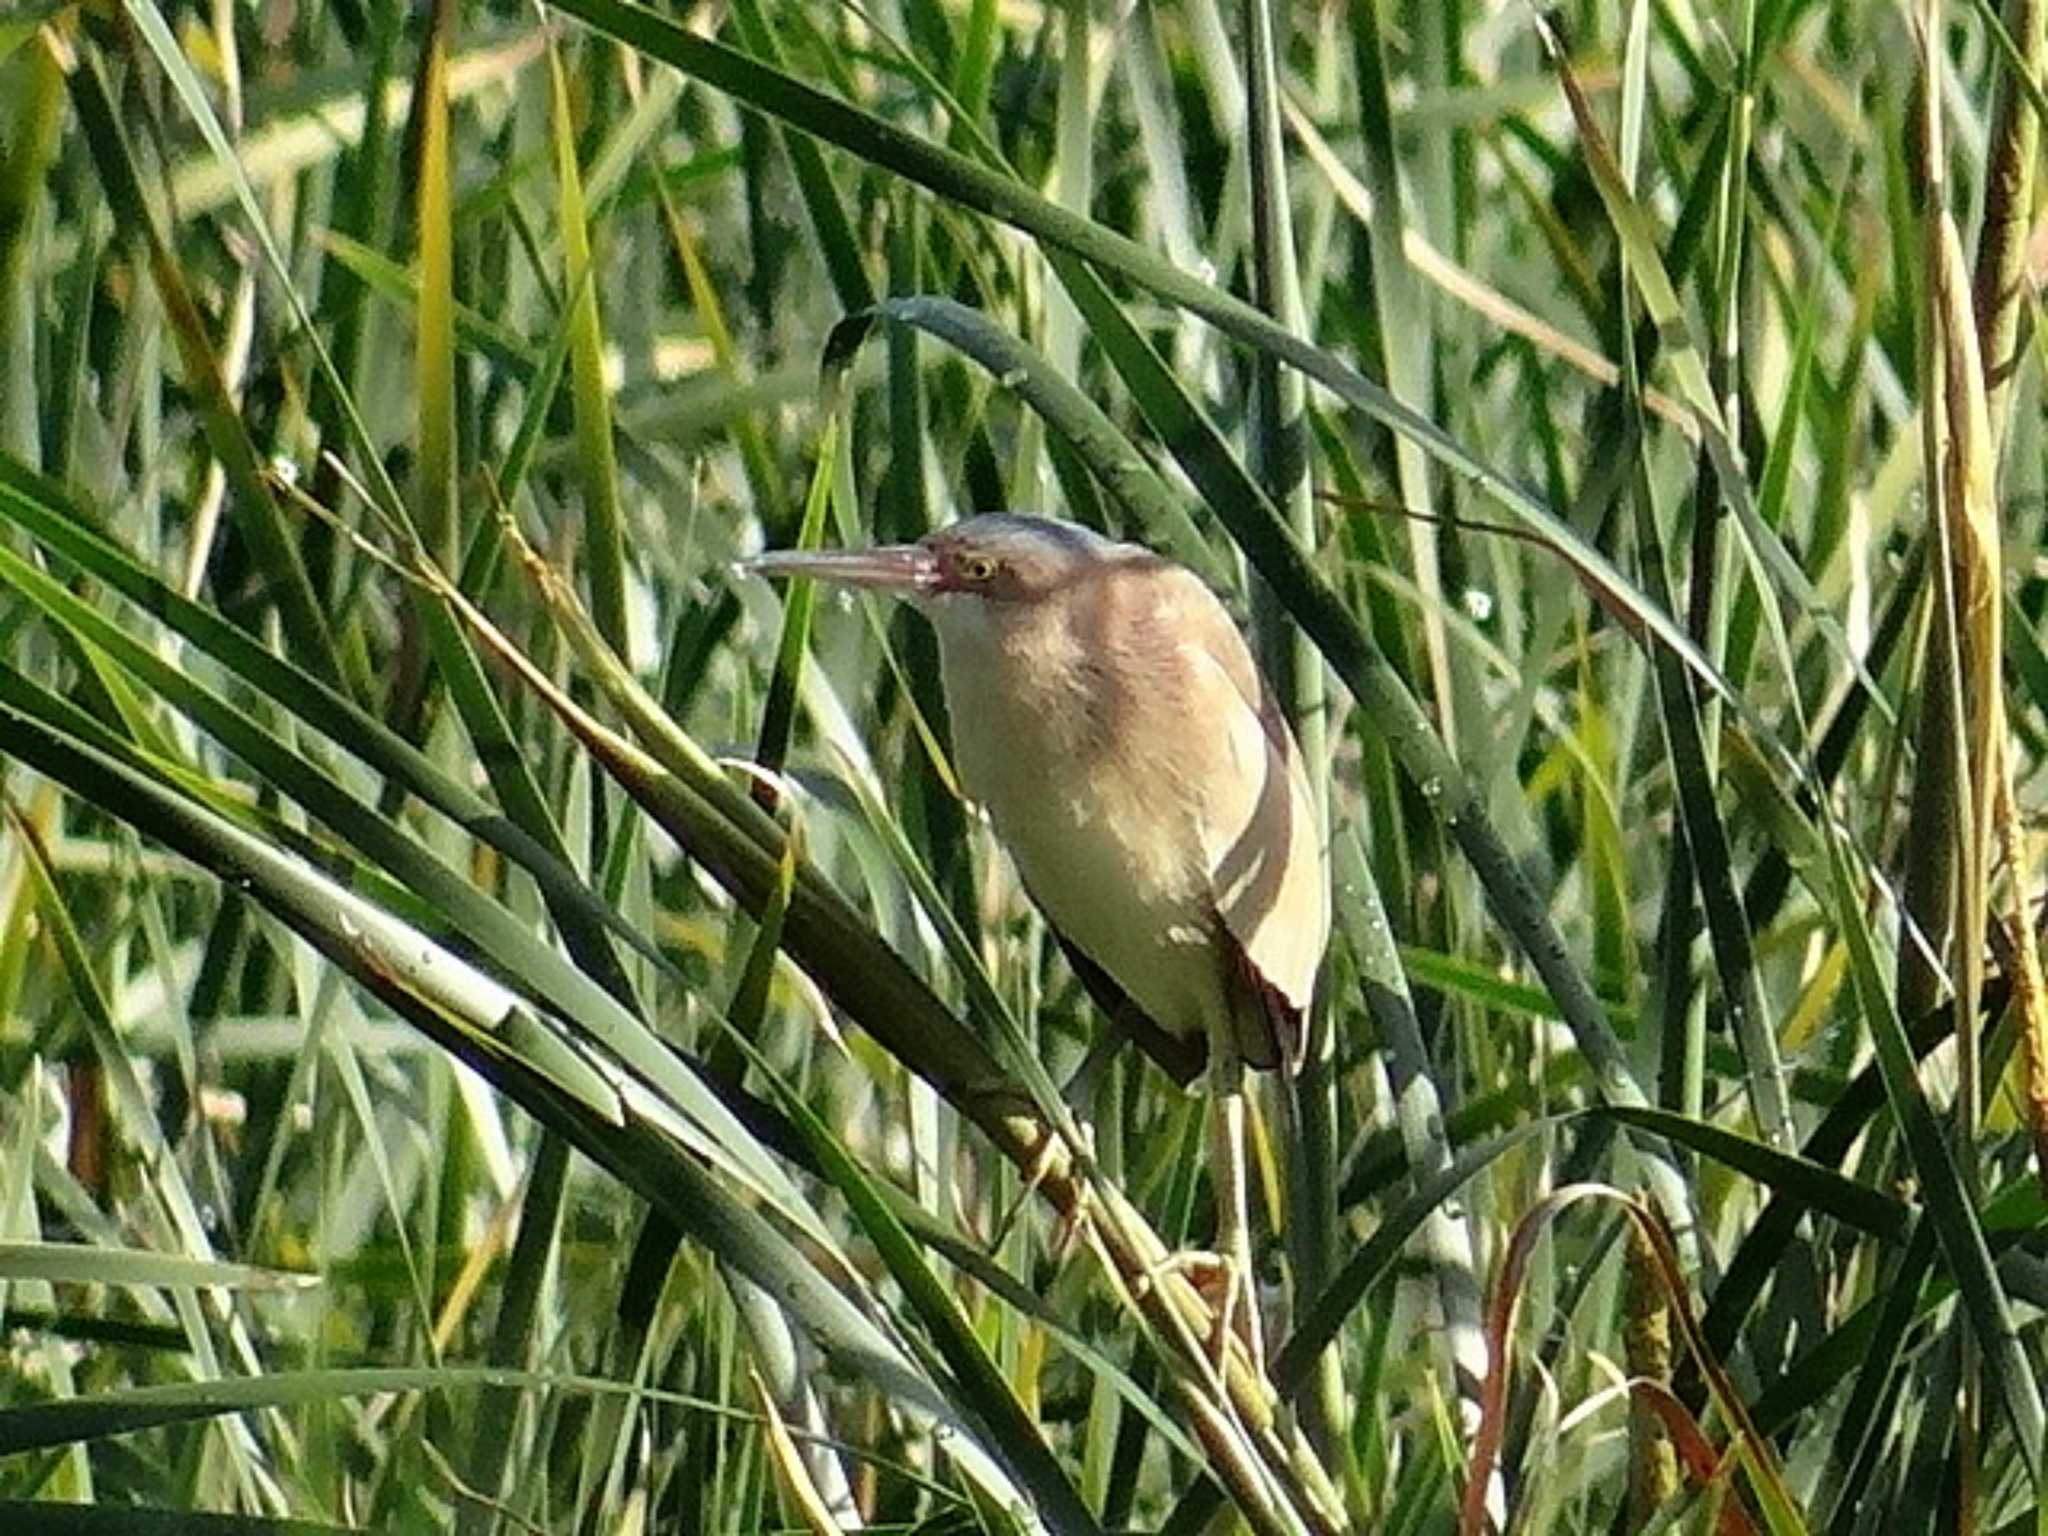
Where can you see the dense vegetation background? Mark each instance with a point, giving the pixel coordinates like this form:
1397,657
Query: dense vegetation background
505,1023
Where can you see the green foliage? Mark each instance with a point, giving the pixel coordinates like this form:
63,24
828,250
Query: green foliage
507,1026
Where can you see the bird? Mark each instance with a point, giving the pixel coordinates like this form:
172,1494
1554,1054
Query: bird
1109,718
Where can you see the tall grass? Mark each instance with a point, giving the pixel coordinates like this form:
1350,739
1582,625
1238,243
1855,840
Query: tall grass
508,1022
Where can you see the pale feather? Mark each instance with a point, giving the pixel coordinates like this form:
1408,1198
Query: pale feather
1163,793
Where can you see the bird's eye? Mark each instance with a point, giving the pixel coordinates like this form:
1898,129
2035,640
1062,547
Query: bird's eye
976,568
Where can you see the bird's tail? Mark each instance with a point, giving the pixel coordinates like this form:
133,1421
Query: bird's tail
1271,1031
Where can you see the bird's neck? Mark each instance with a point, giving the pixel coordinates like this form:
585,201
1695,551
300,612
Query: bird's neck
1020,681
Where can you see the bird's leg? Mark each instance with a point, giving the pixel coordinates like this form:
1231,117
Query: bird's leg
1233,1213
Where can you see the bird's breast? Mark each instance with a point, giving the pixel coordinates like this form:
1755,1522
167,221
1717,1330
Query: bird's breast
1121,741
1098,814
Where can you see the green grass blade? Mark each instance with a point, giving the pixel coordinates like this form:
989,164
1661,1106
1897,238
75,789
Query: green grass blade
986,1391
604,539
435,504
976,186
259,516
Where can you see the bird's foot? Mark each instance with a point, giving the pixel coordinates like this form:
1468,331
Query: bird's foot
1079,1147
1229,1291
1057,1157
1073,1224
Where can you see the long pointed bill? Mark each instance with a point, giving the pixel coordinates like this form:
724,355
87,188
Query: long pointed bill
904,568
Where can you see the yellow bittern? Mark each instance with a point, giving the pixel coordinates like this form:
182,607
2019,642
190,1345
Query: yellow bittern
1109,717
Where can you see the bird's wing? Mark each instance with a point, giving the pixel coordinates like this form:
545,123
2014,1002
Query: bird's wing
1267,869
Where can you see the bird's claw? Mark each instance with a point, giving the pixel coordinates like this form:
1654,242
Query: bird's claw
1063,1156
1073,1223
1226,1289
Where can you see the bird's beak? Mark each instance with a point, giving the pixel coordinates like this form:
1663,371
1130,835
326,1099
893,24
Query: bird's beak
904,568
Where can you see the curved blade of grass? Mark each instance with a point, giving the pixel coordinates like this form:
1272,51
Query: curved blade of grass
1148,501
431,986
964,181
94,1264
54,519
1781,1515
469,914
1242,506
1798,1179
1703,1464
985,1389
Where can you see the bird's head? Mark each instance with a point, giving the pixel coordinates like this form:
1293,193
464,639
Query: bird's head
986,565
